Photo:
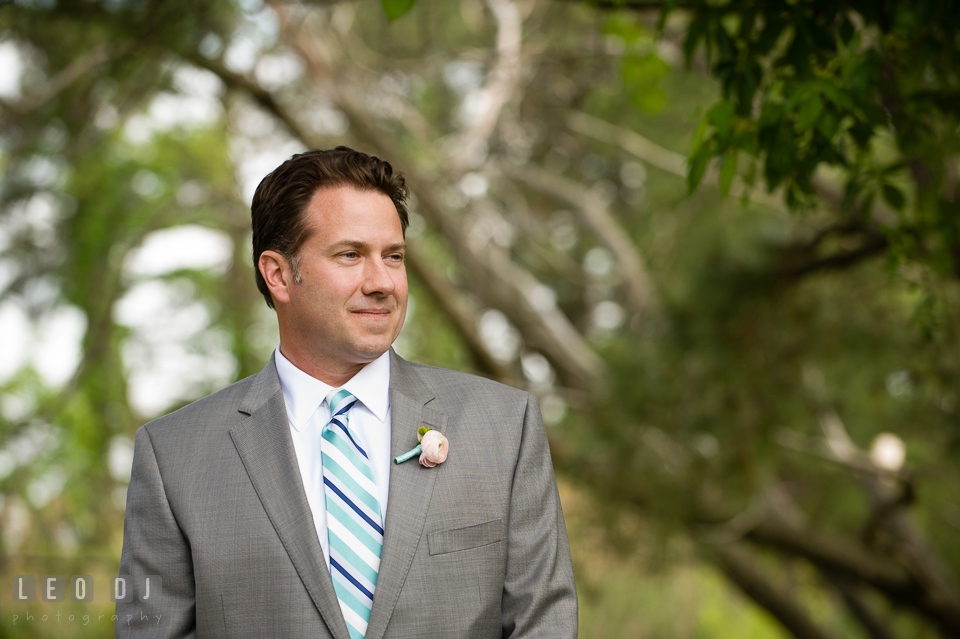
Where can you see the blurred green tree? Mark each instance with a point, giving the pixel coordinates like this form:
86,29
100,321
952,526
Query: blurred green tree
841,105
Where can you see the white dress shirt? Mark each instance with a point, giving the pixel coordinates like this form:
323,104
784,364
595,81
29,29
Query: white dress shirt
308,414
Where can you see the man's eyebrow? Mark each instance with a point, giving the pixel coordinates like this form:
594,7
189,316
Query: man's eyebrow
360,245
356,244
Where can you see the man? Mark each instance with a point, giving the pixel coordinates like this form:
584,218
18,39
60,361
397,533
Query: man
273,508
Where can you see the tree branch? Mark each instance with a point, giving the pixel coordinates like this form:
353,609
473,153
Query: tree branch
78,68
875,627
873,244
931,588
641,292
739,568
502,284
658,156
833,555
456,307
502,81
263,97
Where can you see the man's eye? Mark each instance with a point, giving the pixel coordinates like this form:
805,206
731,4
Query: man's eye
351,254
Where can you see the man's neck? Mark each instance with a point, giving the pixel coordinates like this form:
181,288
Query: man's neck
335,375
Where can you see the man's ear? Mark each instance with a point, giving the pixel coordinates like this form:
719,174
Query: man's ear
278,275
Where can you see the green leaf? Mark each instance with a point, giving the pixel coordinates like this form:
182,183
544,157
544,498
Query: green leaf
894,196
668,8
698,165
627,30
744,86
809,111
791,197
396,8
832,93
781,159
724,41
893,167
749,177
850,193
699,135
828,124
721,116
642,73
728,170
643,69
866,204
745,141
770,115
695,33
649,99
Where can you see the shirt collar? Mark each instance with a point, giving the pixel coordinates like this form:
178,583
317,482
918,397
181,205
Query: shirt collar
303,394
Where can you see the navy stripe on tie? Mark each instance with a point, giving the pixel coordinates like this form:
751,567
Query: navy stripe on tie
346,432
350,503
343,571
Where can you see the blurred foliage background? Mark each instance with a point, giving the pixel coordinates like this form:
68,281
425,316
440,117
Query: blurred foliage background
719,240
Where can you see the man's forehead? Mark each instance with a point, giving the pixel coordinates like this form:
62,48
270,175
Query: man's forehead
338,210
345,196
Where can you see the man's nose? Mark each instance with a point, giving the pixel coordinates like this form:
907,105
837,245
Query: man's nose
378,278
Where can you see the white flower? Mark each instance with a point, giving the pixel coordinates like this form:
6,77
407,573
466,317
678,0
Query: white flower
434,447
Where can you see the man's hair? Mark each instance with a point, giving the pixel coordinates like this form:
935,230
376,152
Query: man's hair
278,213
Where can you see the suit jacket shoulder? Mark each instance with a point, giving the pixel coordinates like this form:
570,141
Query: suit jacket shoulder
472,400
211,417
458,382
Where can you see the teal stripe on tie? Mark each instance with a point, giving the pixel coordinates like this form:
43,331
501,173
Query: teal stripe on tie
333,436
356,562
345,595
355,489
361,533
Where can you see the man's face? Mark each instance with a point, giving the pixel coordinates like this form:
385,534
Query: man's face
351,300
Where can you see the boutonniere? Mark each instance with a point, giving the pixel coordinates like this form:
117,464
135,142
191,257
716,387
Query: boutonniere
432,448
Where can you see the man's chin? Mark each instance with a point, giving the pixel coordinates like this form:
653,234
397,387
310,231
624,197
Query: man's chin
370,350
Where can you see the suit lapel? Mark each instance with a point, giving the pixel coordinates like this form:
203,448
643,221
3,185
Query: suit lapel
411,486
266,450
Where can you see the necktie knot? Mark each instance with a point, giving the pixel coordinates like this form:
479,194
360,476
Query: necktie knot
340,401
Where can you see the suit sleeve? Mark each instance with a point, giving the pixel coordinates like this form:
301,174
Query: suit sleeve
154,545
539,595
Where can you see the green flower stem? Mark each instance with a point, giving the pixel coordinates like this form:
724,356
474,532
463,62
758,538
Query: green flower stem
404,457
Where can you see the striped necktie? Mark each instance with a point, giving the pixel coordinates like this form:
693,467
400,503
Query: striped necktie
354,523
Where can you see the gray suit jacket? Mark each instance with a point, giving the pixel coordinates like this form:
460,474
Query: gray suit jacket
475,547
